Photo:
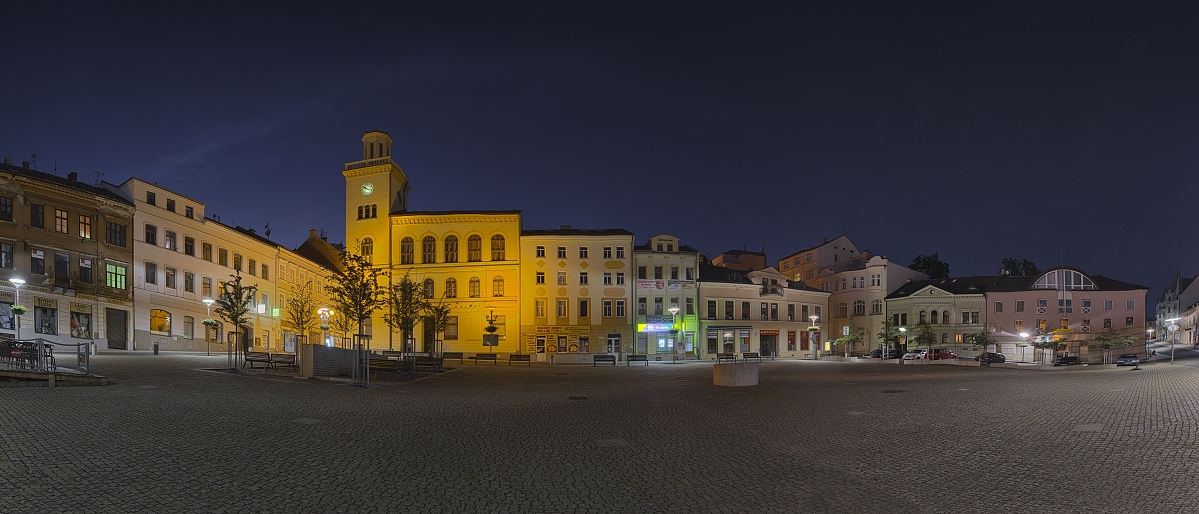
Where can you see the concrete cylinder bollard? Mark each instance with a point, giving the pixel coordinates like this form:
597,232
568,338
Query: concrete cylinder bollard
735,374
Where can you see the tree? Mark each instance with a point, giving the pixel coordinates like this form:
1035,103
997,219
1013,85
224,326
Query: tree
339,322
1112,338
930,265
889,335
984,339
1048,345
356,292
925,335
848,342
300,311
233,305
408,306
1020,267
437,316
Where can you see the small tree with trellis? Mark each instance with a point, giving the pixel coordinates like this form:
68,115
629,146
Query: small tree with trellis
234,305
848,342
407,304
925,336
889,335
984,339
300,311
356,292
1110,339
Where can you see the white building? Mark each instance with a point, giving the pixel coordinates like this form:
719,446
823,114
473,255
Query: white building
667,277
759,311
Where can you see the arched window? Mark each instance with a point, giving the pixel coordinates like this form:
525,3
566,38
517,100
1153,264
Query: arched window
474,287
1065,278
859,308
428,250
374,210
160,322
359,212
923,317
497,249
497,286
428,288
945,317
368,250
451,288
474,248
406,250
933,318
841,310
876,307
451,248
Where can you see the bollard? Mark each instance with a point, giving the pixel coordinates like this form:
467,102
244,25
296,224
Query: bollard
155,347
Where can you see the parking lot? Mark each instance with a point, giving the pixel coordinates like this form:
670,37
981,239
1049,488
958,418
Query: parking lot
813,437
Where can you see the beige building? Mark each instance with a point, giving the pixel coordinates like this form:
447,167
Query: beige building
667,277
815,265
70,244
741,260
575,291
952,308
858,294
759,311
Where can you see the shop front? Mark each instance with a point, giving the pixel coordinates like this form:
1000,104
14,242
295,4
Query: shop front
727,340
563,339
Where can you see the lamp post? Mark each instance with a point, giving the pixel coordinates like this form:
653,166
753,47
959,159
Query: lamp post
674,331
1023,344
323,312
208,305
1173,335
17,302
903,336
813,330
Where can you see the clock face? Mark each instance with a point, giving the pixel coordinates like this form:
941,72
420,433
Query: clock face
367,188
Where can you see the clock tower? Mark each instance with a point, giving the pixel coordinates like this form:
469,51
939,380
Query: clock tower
375,188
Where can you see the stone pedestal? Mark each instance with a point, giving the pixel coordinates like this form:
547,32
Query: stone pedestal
735,374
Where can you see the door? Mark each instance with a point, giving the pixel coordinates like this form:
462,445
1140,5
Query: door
117,322
767,345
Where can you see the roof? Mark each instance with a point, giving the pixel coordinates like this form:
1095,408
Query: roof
577,232
427,213
320,251
65,182
681,249
1003,284
710,273
830,241
742,252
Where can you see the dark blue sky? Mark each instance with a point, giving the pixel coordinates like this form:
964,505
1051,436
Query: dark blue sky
977,130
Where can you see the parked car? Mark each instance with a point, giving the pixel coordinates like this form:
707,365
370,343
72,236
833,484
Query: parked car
1067,360
942,353
991,357
1128,359
874,354
915,355
895,354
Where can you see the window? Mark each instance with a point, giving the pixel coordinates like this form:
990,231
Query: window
711,309
169,240
620,278
540,277
1128,321
60,221
206,252
561,278
620,308
744,310
765,312
237,261
428,250
690,273
189,212
607,249
151,273
1129,305
607,278
965,318
859,308
1107,305
1065,305
473,287
497,247
367,247
160,322
6,250
1064,323
658,306
151,235
206,283
85,271
222,256
451,288
45,320
451,248
62,268
641,303
619,252
998,306
5,208
114,276
266,273
582,252
451,327
641,272
189,327
562,308
37,262
974,318
252,268
674,272
170,205
1107,323
876,307
1019,305
474,249
497,286
561,252
1020,326
582,278
690,306
428,287
541,250
584,308
539,308
658,272
607,308
406,251
170,277
150,198
37,215
728,310
842,310
189,282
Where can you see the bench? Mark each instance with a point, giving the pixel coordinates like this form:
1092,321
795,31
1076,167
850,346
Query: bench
721,357
484,357
636,357
398,367
520,357
596,359
430,364
284,359
252,357
393,354
452,355
751,355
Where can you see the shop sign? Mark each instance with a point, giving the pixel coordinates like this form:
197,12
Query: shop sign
552,329
6,296
654,327
83,308
46,303
768,332
681,284
651,284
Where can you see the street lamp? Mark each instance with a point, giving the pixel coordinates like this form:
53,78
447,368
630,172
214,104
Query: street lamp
17,301
208,305
813,330
674,331
1023,344
1173,335
323,312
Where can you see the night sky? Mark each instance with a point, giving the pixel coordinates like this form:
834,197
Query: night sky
1061,133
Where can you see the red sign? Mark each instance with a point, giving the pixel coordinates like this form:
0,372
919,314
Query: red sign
768,332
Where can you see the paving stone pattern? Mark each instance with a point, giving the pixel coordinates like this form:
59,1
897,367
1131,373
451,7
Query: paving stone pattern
813,437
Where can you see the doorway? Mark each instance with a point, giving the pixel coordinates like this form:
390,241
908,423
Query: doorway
766,344
116,329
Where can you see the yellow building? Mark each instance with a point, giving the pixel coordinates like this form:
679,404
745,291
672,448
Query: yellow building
467,259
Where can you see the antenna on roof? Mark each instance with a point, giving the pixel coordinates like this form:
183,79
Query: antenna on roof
33,161
97,176
267,230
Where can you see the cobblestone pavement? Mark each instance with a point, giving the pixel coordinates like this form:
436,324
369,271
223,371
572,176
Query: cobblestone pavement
814,437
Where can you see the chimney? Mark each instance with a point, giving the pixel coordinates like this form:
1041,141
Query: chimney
564,227
823,240
25,164
8,160
311,233
73,177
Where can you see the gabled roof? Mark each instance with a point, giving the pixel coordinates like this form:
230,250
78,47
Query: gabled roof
1003,283
321,252
826,243
742,252
577,232
65,182
709,273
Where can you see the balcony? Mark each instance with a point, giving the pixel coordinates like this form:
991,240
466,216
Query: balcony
771,290
367,162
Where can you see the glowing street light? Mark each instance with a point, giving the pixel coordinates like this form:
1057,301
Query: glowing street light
1023,344
208,305
17,302
813,329
674,330
323,312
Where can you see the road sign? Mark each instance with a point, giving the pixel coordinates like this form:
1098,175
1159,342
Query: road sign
491,340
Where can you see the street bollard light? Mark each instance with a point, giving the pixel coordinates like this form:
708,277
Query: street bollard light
208,305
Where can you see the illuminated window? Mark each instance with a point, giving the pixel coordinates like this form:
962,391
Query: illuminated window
428,288
368,250
60,221
160,322
497,286
451,288
474,287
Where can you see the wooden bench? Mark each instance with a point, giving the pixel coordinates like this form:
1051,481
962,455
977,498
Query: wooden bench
520,357
252,357
598,358
751,355
721,357
284,359
397,367
452,355
393,354
484,357
636,357
429,364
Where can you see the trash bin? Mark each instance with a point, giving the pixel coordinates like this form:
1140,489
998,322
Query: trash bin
155,347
